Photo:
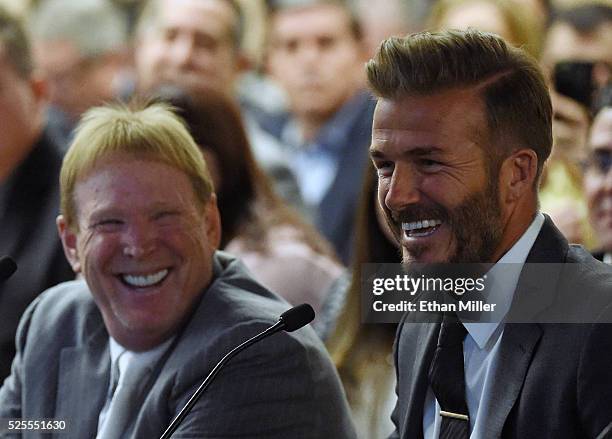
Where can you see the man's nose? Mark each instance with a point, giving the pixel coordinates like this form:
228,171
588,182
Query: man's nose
608,180
403,190
139,241
309,53
182,51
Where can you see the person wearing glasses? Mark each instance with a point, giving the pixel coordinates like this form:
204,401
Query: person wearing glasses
598,181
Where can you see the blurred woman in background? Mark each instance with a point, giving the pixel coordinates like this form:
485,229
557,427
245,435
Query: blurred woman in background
283,252
362,352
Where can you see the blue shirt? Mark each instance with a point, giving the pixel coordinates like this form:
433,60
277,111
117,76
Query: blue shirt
315,163
481,345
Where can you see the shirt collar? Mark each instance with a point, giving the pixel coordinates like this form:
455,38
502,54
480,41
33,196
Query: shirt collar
503,279
332,134
149,357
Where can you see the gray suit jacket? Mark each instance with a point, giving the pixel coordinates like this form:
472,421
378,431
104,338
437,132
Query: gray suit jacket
282,387
554,380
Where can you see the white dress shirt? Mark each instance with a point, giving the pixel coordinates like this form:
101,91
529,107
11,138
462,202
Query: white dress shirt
122,360
481,344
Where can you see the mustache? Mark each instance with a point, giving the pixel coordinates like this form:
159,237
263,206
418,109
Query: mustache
417,213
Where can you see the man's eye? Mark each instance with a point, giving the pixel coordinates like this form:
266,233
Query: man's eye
170,34
429,165
164,215
108,224
384,169
326,42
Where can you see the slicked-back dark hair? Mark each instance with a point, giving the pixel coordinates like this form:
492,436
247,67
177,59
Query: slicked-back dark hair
516,98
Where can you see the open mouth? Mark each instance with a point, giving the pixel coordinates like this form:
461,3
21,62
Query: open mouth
146,280
421,229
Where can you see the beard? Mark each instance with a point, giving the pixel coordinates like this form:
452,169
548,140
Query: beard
475,225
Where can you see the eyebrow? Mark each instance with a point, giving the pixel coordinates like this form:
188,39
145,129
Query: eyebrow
416,151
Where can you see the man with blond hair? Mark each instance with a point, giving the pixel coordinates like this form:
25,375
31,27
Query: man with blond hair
120,352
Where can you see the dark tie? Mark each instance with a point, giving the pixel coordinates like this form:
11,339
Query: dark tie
447,379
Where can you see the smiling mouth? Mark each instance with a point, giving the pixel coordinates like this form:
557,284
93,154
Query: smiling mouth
144,281
421,229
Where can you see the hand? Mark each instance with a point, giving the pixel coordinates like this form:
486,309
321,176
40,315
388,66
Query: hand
570,127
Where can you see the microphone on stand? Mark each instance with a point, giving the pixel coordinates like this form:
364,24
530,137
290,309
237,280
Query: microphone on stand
7,268
289,321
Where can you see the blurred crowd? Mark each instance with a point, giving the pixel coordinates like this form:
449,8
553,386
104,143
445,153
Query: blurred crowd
274,95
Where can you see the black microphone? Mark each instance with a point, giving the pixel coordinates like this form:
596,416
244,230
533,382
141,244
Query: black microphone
7,268
289,321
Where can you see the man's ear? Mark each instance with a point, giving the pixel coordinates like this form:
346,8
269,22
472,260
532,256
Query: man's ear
40,94
518,174
69,242
213,222
39,87
243,62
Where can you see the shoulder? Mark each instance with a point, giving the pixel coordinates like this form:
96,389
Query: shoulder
234,309
61,317
591,276
64,308
290,267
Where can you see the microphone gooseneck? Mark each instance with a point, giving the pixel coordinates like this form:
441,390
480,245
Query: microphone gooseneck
289,321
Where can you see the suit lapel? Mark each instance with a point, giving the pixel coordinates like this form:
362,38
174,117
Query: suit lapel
519,340
416,382
83,379
515,354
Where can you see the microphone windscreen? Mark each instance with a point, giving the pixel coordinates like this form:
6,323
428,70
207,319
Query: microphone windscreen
7,267
297,317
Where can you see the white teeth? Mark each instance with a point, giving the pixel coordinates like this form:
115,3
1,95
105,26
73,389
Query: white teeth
145,281
420,224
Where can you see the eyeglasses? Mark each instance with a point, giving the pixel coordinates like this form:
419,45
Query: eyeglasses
600,161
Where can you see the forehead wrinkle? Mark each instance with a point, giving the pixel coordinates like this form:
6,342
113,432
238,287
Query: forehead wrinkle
399,137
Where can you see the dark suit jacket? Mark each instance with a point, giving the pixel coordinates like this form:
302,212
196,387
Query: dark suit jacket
554,380
29,206
283,387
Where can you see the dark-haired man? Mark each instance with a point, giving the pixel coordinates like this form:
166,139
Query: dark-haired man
316,52
196,45
598,182
461,132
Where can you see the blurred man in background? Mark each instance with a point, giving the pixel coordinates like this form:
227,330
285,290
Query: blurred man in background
577,55
598,181
316,53
195,45
80,47
29,192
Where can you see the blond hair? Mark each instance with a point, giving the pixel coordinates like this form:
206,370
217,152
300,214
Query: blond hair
151,132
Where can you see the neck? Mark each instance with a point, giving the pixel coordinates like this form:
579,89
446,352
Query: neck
12,157
310,125
515,226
